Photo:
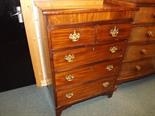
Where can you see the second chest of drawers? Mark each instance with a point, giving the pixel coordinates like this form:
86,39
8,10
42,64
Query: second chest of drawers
139,60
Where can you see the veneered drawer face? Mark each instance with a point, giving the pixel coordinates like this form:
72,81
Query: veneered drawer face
68,59
71,37
112,32
137,68
146,33
73,94
85,17
89,73
145,15
135,52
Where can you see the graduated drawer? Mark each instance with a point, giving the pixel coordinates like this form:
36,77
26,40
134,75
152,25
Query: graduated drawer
89,73
145,15
131,70
71,37
69,95
144,33
68,59
139,51
112,32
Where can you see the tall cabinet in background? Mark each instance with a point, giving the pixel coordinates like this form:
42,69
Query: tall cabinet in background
140,56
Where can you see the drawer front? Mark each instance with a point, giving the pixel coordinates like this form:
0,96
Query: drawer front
69,59
112,32
137,69
71,37
145,15
85,91
85,74
136,52
75,18
146,33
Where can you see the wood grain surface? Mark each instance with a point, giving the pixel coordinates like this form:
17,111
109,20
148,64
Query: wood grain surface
88,35
87,55
103,32
145,15
88,73
136,69
73,18
83,91
60,37
142,1
142,34
139,51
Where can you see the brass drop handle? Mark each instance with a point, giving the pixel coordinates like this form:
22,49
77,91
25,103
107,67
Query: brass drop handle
105,84
114,32
69,77
113,49
69,95
138,68
69,58
110,67
149,34
74,36
143,51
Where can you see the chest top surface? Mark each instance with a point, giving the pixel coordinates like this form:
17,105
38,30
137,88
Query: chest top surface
80,6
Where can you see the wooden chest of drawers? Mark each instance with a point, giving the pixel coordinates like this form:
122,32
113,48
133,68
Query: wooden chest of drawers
86,56
140,56
86,48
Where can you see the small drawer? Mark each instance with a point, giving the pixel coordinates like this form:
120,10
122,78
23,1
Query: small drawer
135,52
131,70
89,73
112,32
73,94
68,59
71,37
145,15
146,33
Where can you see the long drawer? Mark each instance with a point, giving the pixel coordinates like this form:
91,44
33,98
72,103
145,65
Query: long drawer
140,51
84,91
68,59
76,18
142,33
86,74
145,15
133,70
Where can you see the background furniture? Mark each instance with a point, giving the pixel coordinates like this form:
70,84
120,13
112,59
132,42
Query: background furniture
140,56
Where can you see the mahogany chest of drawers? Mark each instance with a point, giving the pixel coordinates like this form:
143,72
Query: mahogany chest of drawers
139,60
86,48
